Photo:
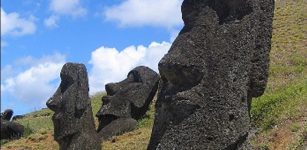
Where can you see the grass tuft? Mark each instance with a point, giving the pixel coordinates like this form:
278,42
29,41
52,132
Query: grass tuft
280,114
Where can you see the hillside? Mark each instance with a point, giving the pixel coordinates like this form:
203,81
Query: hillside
279,117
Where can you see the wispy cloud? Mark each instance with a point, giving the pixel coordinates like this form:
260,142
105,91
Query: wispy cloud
71,8
162,13
112,65
36,83
33,80
51,22
67,7
13,24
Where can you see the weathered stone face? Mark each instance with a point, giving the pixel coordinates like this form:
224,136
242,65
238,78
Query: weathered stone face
73,121
215,66
10,130
126,101
7,114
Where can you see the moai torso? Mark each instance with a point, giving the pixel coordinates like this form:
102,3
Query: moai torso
215,66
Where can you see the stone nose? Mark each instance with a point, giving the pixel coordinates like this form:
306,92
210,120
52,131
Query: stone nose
52,104
111,88
105,100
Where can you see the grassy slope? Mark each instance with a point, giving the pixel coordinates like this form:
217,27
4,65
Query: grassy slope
280,115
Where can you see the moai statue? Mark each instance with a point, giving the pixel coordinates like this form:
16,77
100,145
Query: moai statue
218,62
74,127
10,129
7,114
126,102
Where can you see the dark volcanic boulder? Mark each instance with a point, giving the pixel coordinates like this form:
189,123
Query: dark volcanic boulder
10,130
117,127
7,114
127,101
215,66
73,120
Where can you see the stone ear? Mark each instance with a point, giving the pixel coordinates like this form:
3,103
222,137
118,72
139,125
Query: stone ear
80,104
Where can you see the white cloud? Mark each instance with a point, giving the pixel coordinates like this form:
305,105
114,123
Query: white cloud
51,22
13,24
34,84
162,13
72,8
67,7
30,61
112,65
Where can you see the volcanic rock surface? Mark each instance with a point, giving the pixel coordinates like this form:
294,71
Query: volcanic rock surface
7,114
215,66
74,127
126,102
10,129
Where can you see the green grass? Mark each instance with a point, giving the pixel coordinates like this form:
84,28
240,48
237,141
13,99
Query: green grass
282,106
96,102
301,142
295,127
147,121
36,121
287,87
279,104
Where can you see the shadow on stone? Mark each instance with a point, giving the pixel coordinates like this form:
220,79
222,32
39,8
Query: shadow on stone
73,121
218,62
126,102
10,129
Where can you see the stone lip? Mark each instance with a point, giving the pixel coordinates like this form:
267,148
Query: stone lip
73,118
218,62
116,127
127,101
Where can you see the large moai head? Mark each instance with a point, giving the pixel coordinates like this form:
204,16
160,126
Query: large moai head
73,121
9,129
218,62
7,114
127,100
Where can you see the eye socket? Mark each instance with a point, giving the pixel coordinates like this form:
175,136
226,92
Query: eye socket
66,82
226,10
230,10
134,76
184,77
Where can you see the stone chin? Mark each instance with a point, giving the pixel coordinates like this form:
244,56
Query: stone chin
61,132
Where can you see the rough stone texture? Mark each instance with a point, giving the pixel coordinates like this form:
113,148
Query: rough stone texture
7,114
116,127
126,102
9,129
215,66
74,127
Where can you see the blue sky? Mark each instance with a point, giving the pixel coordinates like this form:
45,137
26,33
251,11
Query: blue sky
110,37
